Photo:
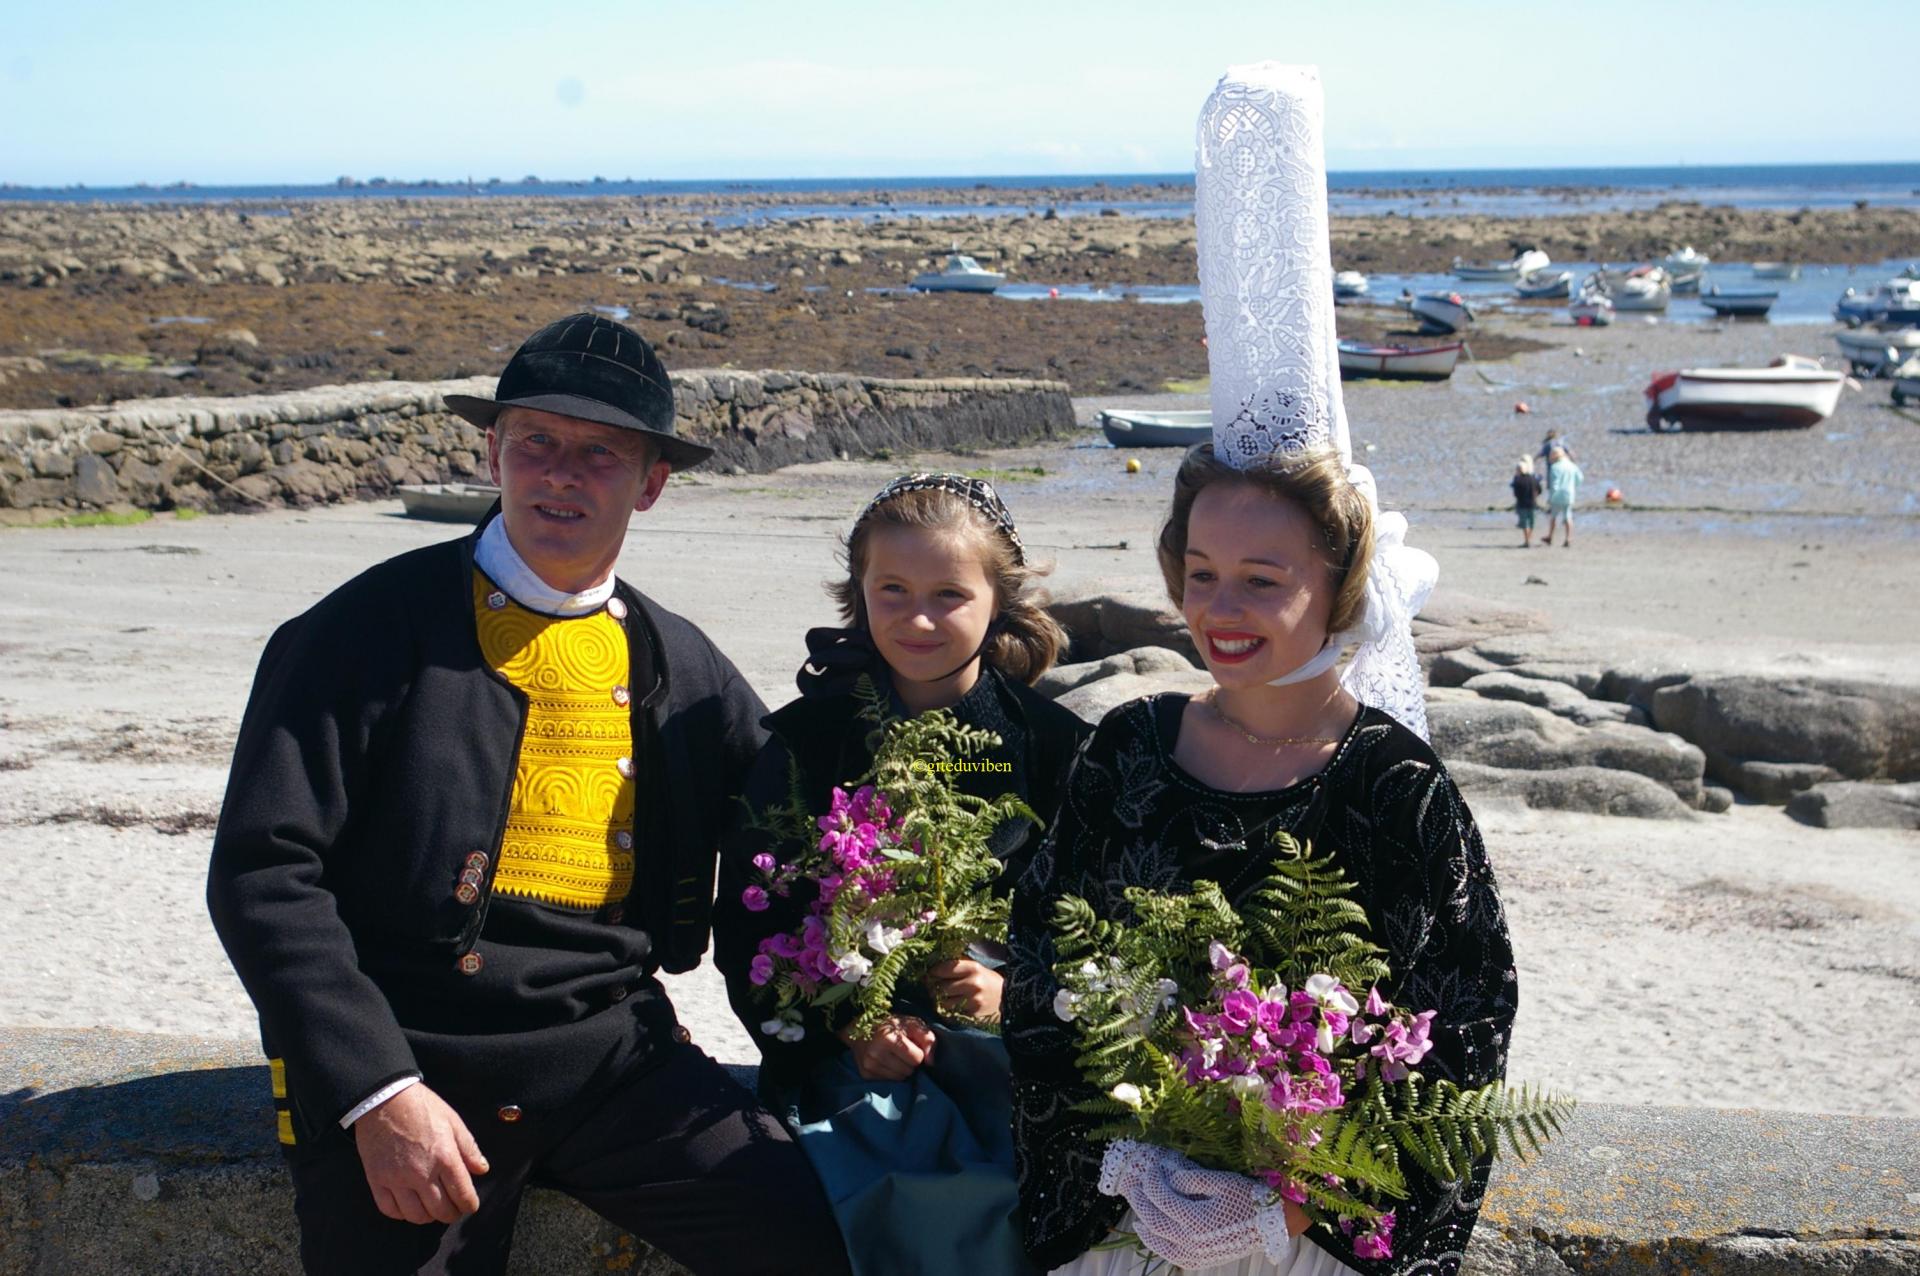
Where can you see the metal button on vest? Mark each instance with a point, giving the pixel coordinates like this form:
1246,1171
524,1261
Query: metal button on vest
496,600
616,914
622,697
623,840
625,767
509,1112
682,1034
467,893
470,963
616,994
477,861
616,609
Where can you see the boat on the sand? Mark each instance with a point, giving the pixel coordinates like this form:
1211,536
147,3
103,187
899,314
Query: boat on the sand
961,274
1441,311
1129,427
1685,268
1539,284
1744,303
1593,308
1776,270
1398,363
1906,383
1871,352
1642,288
1349,285
1792,392
448,502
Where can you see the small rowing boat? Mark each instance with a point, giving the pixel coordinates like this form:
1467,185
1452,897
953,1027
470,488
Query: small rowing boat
1398,363
1748,304
1790,393
448,502
1128,427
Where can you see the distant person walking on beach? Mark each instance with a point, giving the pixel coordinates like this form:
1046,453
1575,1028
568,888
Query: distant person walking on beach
1563,490
1544,457
1526,499
474,808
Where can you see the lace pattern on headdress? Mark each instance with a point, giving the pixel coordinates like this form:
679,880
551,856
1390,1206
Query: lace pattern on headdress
976,492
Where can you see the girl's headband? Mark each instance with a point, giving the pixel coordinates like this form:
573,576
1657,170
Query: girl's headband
976,492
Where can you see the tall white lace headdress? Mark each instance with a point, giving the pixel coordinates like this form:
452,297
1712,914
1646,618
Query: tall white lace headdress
1266,281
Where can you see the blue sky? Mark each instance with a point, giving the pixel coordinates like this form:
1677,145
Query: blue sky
107,92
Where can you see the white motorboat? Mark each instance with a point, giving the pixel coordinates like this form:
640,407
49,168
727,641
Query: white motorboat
1501,272
1791,393
1873,353
448,502
1642,288
1895,303
1441,311
1749,303
1126,427
1398,363
1593,308
961,274
1685,268
1776,270
1540,284
1349,285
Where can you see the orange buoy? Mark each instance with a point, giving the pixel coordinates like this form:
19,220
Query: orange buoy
1053,294
1615,496
1522,409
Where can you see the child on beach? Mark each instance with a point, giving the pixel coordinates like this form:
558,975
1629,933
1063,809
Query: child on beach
909,1130
1526,498
1563,489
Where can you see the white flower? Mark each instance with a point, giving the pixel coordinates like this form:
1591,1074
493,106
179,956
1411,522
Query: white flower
773,1027
1318,986
1326,990
1246,1085
1324,1039
791,1033
1210,1048
883,938
1128,1093
854,968
1169,992
1089,971
1219,955
1065,1005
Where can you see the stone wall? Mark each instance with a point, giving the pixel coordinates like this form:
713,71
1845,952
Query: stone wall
127,1152
335,443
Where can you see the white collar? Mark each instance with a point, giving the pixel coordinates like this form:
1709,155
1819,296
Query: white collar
496,556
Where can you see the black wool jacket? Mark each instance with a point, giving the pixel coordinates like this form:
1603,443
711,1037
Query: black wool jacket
375,764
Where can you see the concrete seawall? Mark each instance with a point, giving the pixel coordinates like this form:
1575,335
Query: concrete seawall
334,443
125,1152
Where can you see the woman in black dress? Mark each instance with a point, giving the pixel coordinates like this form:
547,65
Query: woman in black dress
1266,564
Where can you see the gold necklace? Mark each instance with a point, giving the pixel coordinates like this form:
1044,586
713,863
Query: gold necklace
1277,742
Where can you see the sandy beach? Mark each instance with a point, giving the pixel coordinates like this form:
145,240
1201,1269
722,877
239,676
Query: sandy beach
1732,960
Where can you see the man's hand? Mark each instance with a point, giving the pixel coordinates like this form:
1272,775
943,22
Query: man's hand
897,1047
966,988
419,1158
1297,1220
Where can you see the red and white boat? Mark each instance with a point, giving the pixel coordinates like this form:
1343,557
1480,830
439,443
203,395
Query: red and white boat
1398,363
1791,393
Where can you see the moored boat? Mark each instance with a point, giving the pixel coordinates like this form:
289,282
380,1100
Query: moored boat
1545,283
1349,285
1126,427
1441,311
448,502
1684,269
1895,303
1642,288
1743,303
1398,363
961,274
1791,393
1593,308
1776,270
1501,272
1906,383
1875,353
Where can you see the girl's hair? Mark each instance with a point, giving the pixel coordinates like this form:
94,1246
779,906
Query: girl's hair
1316,482
1024,640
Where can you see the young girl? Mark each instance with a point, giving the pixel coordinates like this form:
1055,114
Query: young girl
909,1129
1269,567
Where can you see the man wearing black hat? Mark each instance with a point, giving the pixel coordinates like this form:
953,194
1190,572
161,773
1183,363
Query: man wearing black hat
473,809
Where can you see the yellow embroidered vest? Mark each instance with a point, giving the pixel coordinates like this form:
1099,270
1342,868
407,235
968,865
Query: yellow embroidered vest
569,836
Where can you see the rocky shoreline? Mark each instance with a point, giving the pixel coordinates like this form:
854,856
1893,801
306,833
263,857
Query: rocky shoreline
106,302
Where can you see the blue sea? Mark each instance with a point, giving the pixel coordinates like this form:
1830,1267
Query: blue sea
1407,193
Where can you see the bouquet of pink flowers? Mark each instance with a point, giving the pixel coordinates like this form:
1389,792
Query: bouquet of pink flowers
898,876
1282,1071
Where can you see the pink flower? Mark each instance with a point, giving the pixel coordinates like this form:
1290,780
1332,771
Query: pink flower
764,862
755,898
1377,1241
1237,1010
1376,1004
760,972
1272,1016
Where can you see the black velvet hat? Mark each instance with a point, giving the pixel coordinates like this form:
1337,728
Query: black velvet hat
589,367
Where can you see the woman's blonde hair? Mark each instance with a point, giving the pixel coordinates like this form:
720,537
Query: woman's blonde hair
1316,482
1024,640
